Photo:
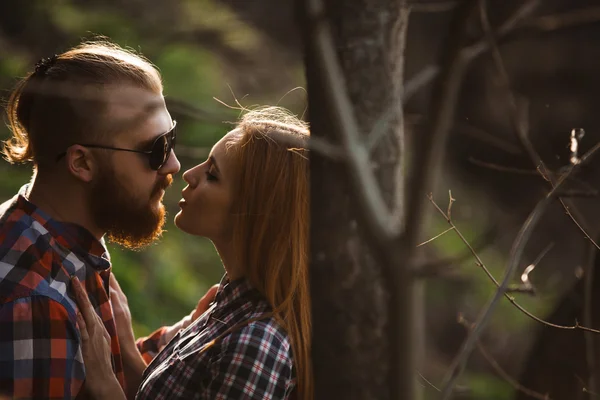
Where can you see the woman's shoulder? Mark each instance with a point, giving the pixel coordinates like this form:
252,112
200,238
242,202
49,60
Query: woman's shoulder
266,335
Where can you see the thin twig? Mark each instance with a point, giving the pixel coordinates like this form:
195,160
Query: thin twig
503,168
428,382
516,253
479,262
499,370
435,237
437,267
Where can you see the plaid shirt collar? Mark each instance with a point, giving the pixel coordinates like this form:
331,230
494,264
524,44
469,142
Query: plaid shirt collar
233,293
70,235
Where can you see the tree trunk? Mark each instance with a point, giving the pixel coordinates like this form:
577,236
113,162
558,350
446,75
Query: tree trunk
351,345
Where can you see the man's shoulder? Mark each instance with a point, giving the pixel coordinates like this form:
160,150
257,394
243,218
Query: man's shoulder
30,262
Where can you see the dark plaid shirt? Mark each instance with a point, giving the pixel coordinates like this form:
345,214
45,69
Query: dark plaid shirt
253,361
40,352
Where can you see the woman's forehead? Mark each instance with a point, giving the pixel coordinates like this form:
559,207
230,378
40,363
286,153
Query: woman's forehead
221,150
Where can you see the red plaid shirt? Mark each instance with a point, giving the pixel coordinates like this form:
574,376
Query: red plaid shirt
253,361
40,352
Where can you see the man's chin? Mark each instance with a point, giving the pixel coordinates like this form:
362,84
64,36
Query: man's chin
134,242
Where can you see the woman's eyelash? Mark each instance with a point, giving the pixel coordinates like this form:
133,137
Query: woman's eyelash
210,176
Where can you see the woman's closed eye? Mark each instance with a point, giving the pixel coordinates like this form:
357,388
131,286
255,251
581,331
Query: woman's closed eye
210,176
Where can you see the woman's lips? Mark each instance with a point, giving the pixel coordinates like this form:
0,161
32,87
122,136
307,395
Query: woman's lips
182,203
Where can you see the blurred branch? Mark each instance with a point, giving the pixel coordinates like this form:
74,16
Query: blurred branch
583,16
584,390
590,340
377,216
427,74
589,192
520,121
429,154
516,253
499,370
483,136
428,382
432,7
187,109
197,153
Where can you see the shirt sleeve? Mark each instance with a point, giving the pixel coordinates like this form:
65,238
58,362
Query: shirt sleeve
151,345
40,355
254,363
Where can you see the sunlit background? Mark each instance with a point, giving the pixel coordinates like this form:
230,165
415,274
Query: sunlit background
204,51
213,52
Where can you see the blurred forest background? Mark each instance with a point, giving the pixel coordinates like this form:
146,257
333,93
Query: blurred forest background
251,50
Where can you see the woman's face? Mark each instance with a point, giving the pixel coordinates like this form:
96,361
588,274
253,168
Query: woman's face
206,203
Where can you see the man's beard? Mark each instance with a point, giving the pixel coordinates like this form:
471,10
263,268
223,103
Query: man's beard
129,220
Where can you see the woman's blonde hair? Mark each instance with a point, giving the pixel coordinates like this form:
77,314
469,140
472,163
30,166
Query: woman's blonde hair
271,228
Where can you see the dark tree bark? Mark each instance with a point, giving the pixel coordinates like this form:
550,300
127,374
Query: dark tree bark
350,314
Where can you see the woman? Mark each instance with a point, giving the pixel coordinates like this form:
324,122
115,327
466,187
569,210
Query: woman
250,198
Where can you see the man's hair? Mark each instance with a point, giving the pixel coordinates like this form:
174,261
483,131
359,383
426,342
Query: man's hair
64,99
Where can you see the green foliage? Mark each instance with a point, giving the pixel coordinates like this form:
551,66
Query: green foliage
164,281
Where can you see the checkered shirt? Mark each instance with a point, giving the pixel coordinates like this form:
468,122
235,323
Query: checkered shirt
40,352
253,361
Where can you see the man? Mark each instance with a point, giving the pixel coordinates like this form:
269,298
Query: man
94,123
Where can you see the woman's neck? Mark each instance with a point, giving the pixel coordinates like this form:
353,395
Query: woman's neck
230,263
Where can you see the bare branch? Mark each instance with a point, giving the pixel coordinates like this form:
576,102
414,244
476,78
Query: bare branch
503,168
369,196
431,7
427,382
430,152
588,192
440,267
427,74
587,15
584,390
520,123
525,275
480,264
435,237
590,340
516,253
499,370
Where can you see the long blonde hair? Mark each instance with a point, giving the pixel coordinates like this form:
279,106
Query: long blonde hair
271,232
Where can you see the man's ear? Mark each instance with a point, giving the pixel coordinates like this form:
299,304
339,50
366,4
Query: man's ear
81,163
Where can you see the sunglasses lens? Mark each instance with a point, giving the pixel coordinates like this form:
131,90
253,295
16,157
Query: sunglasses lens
160,152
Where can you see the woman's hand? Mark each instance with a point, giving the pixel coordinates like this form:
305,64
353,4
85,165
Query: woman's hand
122,316
133,363
100,380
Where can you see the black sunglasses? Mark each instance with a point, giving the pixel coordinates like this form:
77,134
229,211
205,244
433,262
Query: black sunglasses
158,154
